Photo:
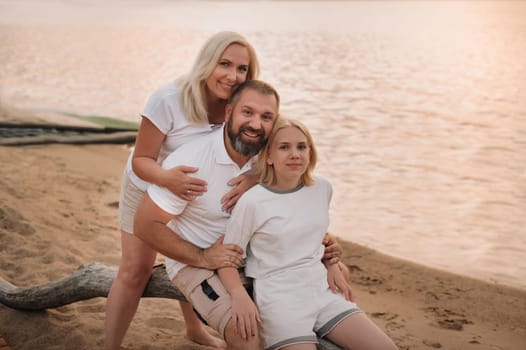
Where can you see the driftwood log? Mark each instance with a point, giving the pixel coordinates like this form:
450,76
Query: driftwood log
23,134
91,281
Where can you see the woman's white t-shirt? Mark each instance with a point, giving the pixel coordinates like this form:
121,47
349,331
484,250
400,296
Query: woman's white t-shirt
164,111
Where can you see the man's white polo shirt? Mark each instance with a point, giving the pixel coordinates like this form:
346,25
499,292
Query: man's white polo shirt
200,221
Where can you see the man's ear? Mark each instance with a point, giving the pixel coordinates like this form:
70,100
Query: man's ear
228,112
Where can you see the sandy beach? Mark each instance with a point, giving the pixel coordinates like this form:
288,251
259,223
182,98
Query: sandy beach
59,210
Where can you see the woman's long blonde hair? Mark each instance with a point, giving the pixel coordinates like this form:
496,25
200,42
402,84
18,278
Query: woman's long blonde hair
268,176
192,95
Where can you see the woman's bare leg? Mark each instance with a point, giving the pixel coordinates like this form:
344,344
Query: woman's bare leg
135,269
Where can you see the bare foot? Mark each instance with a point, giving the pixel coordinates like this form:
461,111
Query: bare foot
202,337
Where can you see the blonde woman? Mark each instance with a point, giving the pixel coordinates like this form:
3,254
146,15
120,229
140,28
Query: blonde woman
179,111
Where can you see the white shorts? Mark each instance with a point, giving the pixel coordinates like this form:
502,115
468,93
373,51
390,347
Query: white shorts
293,312
129,201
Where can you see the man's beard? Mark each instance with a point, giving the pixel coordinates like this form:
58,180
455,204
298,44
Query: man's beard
246,148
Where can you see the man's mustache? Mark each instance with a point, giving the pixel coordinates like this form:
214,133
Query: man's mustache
259,132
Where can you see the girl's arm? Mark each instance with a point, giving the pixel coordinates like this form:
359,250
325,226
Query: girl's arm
338,281
245,314
144,163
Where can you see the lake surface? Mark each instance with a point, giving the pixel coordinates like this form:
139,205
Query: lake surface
418,108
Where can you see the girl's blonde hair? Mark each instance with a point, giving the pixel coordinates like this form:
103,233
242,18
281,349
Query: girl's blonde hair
192,95
268,176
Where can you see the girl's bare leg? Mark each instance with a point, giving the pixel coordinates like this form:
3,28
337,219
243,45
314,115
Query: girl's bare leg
358,332
305,346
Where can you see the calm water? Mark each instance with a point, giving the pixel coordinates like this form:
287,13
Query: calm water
418,108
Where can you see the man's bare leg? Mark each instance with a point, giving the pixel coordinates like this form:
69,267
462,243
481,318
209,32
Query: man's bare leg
235,342
196,331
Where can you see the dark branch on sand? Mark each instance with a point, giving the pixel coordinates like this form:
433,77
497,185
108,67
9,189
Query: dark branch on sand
91,281
88,281
114,138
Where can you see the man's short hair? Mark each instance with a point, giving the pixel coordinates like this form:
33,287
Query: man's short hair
257,85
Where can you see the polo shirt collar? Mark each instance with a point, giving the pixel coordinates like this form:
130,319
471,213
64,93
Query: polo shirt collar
221,154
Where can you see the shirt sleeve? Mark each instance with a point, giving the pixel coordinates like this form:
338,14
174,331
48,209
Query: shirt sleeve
329,192
166,200
163,197
242,224
325,188
159,109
